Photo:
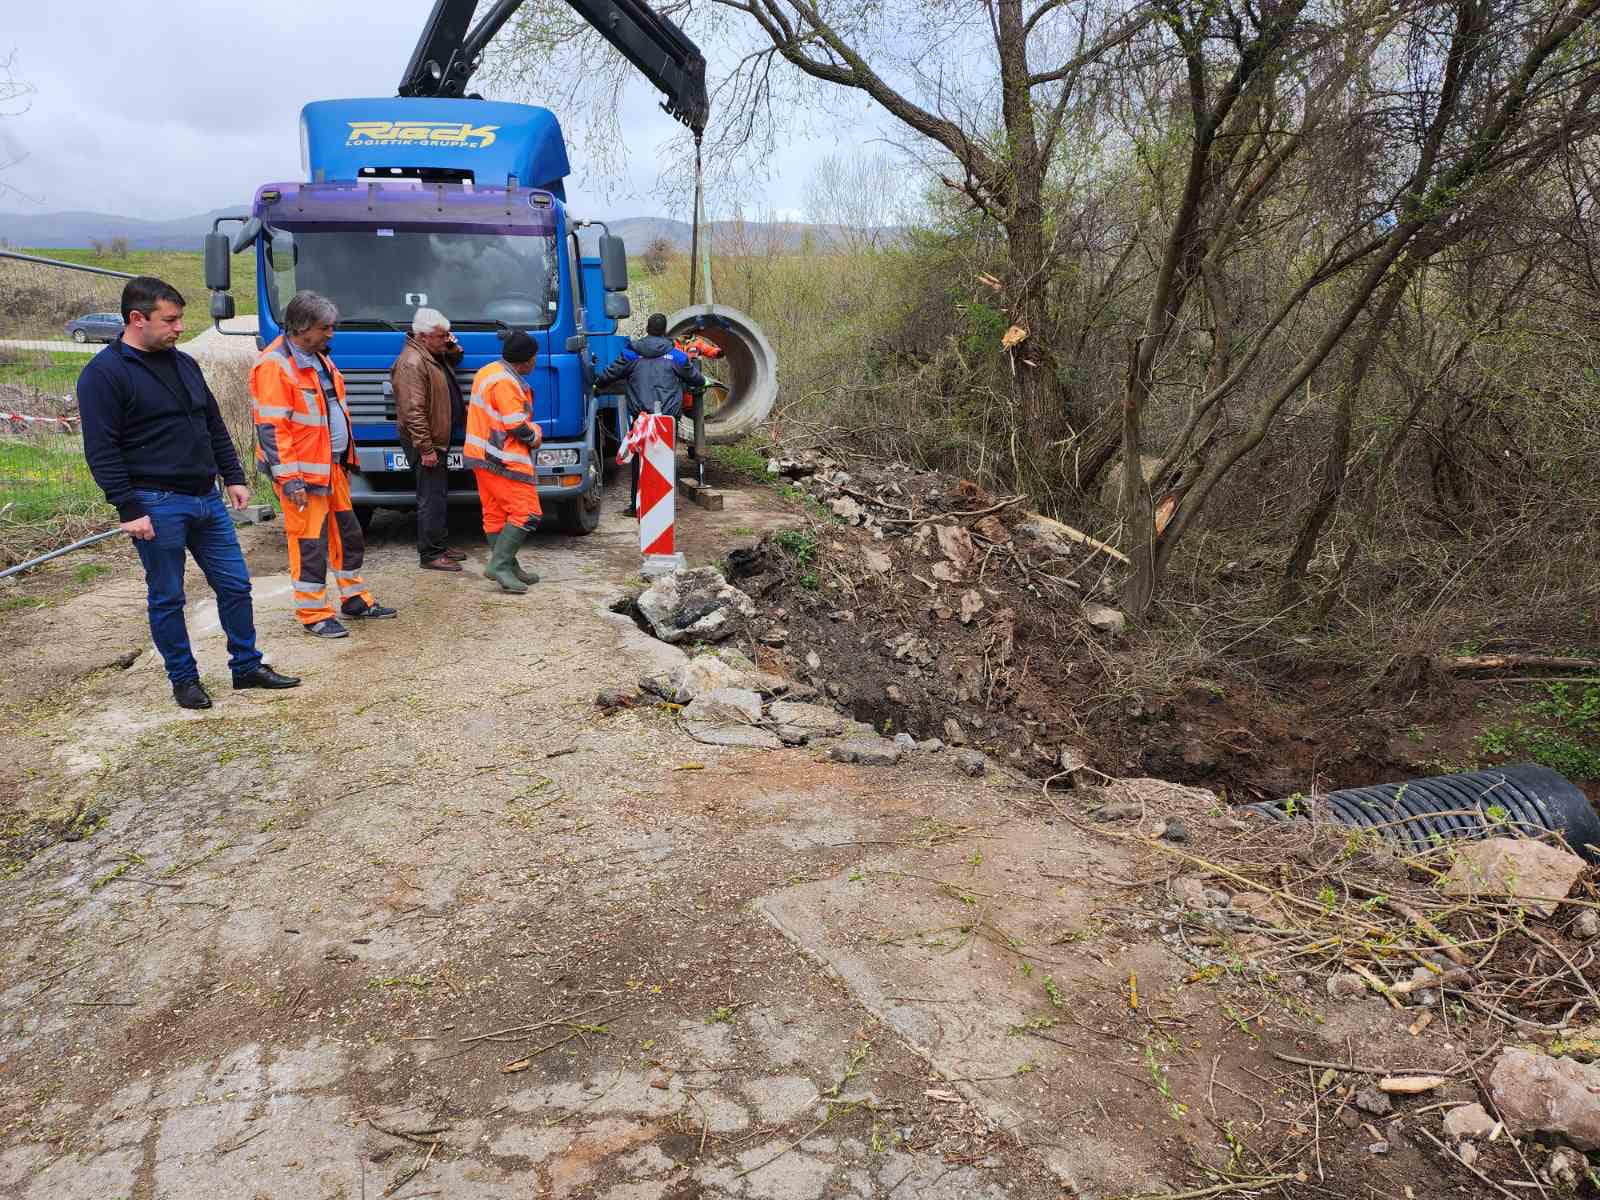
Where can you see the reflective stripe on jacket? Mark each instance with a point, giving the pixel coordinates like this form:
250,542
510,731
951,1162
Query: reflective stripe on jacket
501,408
291,416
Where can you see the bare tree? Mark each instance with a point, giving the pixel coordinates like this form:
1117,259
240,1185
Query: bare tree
991,94
1509,83
14,93
856,199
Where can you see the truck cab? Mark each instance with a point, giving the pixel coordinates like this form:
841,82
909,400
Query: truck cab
456,205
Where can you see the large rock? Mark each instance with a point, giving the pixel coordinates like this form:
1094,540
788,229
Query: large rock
1468,1121
869,752
694,605
1103,619
727,717
1514,867
1535,1093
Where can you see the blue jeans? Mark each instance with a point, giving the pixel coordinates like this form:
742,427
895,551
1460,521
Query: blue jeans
197,525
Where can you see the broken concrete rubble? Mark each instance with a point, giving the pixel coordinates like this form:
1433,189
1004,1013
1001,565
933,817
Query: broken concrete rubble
814,720
868,752
694,605
728,716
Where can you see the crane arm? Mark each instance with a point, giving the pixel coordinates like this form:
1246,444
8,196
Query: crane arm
451,47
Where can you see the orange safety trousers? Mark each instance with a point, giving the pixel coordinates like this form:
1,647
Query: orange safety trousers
507,501
326,533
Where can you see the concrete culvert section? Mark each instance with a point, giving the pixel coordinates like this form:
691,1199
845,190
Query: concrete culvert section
748,367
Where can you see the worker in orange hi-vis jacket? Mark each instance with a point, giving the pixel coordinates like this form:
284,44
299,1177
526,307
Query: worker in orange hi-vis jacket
696,346
501,438
303,439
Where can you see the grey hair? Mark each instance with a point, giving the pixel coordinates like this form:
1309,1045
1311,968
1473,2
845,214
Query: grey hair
307,310
426,320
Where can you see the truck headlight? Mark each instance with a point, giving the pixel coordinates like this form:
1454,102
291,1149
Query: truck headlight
558,458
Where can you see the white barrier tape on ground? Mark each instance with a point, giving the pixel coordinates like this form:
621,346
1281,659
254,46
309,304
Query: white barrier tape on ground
65,422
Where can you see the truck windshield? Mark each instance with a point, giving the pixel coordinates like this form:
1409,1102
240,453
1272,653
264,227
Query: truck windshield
384,275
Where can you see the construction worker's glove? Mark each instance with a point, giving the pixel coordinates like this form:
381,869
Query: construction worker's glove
295,491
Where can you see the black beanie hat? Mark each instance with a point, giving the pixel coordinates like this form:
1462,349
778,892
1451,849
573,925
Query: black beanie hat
518,348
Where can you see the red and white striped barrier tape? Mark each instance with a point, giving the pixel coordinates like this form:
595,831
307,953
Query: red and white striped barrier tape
64,422
652,439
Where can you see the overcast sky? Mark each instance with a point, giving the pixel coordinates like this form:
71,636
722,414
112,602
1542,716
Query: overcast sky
169,110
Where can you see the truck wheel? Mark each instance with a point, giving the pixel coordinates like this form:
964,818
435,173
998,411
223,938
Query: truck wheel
581,516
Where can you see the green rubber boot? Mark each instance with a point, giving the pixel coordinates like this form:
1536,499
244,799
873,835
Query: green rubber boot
522,573
503,562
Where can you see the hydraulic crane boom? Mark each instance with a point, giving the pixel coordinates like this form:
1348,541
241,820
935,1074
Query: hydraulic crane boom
451,46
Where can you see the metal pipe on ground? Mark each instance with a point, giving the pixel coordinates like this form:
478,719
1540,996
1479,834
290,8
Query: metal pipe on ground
1524,800
44,558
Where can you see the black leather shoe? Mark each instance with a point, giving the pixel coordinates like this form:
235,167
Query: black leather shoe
327,628
369,612
264,677
630,511
189,694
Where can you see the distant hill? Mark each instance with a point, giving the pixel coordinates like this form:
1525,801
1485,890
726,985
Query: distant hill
64,229
54,230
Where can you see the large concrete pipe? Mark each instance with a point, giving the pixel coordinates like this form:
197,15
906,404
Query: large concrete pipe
747,366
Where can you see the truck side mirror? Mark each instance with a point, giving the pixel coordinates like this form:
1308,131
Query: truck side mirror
218,262
221,306
613,263
247,235
617,306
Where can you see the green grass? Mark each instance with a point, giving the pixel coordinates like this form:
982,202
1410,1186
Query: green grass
45,478
747,458
183,269
43,370
1561,730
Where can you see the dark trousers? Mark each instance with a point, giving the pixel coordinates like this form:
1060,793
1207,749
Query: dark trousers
635,461
197,525
433,483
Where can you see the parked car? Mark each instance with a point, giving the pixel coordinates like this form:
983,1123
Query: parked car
95,327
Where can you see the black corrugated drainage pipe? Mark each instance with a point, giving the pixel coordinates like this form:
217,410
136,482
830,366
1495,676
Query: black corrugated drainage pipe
1525,800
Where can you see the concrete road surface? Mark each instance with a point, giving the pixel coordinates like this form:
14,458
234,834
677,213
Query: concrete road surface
53,347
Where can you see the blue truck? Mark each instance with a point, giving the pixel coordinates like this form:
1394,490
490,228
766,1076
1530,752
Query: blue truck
439,199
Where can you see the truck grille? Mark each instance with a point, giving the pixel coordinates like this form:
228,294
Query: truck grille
370,400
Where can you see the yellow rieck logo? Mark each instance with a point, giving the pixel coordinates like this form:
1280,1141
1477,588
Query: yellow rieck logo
424,133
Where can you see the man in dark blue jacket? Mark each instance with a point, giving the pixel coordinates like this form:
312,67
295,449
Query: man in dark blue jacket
654,373
156,442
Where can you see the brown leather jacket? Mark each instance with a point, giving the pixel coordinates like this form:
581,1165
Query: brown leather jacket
421,398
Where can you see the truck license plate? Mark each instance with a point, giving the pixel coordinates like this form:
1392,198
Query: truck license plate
395,460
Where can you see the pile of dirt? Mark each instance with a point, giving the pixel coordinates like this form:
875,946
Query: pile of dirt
924,604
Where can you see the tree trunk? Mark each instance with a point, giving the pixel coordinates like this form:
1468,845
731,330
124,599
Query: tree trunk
1038,386
1335,464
